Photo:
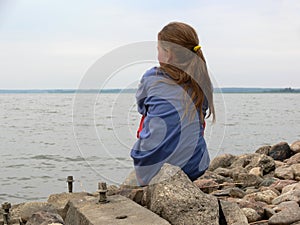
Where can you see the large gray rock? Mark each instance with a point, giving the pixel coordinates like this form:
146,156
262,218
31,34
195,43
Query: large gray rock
247,180
293,160
175,198
45,218
233,214
289,212
281,151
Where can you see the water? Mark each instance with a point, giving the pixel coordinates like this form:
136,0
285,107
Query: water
44,139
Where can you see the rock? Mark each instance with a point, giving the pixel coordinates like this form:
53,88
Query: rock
206,185
268,181
249,161
225,172
289,213
284,172
223,161
217,178
296,171
261,189
248,180
281,151
236,193
251,215
232,213
135,194
60,201
29,208
257,206
112,190
280,184
250,190
295,146
264,196
269,211
178,200
45,218
279,163
264,150
293,195
290,187
293,160
257,171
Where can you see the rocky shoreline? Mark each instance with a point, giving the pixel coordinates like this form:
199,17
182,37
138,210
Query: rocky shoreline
262,188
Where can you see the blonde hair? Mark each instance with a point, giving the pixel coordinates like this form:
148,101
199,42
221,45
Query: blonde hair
186,69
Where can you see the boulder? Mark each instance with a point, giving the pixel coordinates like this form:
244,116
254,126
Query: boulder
236,193
289,212
232,213
281,151
290,187
280,184
206,185
293,195
284,172
296,171
248,180
60,201
251,215
264,196
223,161
174,197
29,208
293,160
268,181
257,171
264,150
295,146
216,177
45,218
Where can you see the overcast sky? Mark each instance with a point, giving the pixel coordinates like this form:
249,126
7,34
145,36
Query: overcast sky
52,43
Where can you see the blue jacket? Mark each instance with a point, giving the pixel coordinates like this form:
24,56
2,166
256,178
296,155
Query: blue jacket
168,135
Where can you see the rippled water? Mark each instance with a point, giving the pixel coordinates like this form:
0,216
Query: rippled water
42,143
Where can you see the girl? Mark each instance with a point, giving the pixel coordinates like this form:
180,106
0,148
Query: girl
173,100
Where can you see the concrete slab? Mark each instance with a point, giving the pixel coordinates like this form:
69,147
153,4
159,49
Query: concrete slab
118,211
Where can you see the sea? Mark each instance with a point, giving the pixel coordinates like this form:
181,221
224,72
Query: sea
46,137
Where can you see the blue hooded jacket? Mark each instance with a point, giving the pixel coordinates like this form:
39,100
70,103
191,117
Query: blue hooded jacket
169,134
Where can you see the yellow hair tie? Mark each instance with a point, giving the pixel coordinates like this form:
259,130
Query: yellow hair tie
196,48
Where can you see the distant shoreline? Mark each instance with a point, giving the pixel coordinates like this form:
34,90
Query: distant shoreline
117,91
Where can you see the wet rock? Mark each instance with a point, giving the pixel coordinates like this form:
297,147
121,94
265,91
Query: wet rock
284,172
264,150
206,185
175,198
289,213
257,171
264,196
296,171
293,195
248,180
295,146
60,201
45,218
232,213
290,187
223,161
29,208
251,215
281,151
280,184
293,160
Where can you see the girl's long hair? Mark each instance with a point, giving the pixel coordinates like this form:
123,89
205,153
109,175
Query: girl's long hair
185,69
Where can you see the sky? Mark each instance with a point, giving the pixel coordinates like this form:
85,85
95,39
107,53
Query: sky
47,44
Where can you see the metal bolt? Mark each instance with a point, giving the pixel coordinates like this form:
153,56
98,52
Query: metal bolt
6,206
102,189
70,183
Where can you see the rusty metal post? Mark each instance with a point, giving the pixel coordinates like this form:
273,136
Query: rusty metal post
70,181
102,189
6,218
